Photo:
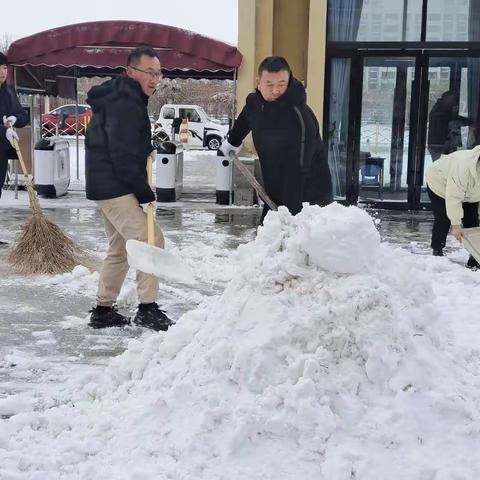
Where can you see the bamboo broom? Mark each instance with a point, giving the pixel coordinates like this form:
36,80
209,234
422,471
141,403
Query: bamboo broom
42,247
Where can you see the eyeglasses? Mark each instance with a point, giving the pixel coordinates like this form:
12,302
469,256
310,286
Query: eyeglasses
154,75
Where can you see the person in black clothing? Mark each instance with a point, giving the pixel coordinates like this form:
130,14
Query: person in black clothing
117,144
11,114
444,124
287,139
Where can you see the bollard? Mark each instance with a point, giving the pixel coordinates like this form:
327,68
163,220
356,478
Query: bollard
224,179
166,168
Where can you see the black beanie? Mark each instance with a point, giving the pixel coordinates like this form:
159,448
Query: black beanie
3,59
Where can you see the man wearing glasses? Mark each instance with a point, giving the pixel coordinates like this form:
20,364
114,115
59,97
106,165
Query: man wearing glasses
117,143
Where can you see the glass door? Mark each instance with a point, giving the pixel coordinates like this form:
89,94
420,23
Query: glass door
390,117
385,129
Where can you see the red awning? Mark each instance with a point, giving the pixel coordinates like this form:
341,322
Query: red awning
101,49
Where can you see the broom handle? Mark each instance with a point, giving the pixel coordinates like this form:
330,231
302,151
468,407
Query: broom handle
150,223
32,194
16,146
253,182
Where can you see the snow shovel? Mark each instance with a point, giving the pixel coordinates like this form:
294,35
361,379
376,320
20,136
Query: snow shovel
148,258
471,241
253,182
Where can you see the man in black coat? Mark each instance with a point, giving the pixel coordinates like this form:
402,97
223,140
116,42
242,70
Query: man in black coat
444,126
11,114
287,139
117,144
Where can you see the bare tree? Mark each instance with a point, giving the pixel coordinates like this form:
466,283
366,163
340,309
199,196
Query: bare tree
5,41
215,96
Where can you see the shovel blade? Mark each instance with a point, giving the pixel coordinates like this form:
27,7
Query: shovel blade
159,262
471,241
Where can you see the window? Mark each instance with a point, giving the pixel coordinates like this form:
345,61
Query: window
168,113
66,110
190,113
450,20
382,20
372,20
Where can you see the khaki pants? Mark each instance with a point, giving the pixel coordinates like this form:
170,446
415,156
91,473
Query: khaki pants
124,220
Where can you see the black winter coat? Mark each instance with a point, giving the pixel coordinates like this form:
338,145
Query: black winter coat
291,152
118,141
9,105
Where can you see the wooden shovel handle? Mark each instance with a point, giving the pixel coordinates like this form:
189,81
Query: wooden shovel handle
150,222
253,182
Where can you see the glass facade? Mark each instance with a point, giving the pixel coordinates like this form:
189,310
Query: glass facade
453,20
401,20
396,105
374,20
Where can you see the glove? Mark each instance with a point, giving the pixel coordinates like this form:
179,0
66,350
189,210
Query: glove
11,134
145,206
226,148
9,121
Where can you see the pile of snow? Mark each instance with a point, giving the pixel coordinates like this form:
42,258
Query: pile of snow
326,357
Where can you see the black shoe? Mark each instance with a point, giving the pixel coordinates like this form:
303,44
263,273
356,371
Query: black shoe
437,252
472,263
149,315
103,317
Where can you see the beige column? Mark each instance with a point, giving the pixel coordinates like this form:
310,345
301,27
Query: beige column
290,34
255,25
317,53
255,42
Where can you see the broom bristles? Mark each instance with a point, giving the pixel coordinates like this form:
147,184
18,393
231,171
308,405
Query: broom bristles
42,247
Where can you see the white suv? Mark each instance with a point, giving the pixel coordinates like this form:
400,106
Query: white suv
203,130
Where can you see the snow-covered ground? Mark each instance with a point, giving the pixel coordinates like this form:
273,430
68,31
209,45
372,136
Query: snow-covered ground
313,351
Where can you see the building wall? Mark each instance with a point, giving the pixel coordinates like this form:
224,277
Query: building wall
290,34
293,29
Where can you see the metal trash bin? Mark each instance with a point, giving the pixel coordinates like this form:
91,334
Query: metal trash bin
51,166
169,172
223,179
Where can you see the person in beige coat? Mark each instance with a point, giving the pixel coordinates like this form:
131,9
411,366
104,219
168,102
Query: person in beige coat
453,185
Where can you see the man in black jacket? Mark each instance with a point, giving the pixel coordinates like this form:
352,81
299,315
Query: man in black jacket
11,114
444,126
287,139
117,143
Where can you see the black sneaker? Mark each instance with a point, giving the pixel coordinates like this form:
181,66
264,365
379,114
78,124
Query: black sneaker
103,317
437,252
150,315
472,263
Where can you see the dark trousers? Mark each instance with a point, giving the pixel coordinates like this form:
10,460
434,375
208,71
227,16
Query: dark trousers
3,169
441,223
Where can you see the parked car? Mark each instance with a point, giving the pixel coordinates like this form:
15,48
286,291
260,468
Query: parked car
64,117
203,130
